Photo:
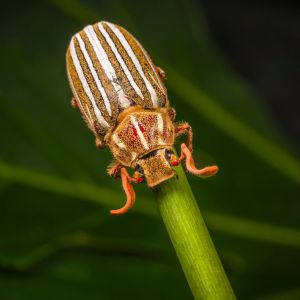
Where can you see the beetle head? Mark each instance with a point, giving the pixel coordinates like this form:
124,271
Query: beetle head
156,166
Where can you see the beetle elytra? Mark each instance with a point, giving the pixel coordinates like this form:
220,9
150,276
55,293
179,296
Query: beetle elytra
123,100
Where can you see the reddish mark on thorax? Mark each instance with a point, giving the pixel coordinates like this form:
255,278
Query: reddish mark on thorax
130,133
142,129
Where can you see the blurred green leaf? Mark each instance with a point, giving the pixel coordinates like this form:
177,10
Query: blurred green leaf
235,128
286,295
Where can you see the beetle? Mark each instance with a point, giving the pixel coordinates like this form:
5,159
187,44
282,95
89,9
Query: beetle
123,100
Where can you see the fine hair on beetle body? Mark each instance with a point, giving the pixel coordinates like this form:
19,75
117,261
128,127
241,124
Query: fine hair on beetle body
122,98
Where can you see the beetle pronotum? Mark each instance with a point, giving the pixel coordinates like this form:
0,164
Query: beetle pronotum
122,98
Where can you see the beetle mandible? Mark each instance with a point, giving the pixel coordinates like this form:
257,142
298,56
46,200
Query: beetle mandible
123,100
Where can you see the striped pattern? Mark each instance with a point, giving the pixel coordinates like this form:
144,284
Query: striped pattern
139,133
110,71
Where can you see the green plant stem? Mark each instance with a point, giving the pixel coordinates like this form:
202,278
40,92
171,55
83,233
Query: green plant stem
191,240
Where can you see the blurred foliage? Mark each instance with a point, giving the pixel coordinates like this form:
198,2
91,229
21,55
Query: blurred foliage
57,238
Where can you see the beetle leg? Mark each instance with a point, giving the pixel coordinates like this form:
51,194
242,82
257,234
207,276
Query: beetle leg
129,191
114,170
99,144
161,73
190,164
185,128
171,113
186,153
74,103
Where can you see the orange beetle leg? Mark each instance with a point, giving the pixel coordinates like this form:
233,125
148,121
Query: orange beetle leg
129,191
190,164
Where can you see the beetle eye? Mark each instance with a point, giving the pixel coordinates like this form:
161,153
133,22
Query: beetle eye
168,154
139,169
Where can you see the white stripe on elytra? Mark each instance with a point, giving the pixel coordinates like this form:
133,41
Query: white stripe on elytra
150,63
89,113
90,120
85,85
95,76
158,83
136,62
160,128
117,140
138,130
160,123
158,80
106,64
120,60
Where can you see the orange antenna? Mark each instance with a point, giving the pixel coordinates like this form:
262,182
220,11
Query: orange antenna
129,191
190,164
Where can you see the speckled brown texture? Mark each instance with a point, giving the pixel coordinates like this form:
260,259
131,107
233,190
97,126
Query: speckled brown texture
128,148
147,121
149,69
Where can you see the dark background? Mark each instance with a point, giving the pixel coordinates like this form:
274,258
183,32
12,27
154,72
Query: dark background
262,41
233,73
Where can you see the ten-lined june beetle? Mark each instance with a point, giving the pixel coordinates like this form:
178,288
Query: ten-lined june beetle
123,100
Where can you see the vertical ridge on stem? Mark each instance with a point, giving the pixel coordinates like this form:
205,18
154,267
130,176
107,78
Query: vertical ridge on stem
191,240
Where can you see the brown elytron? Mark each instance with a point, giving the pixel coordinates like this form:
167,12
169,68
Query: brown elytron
123,100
